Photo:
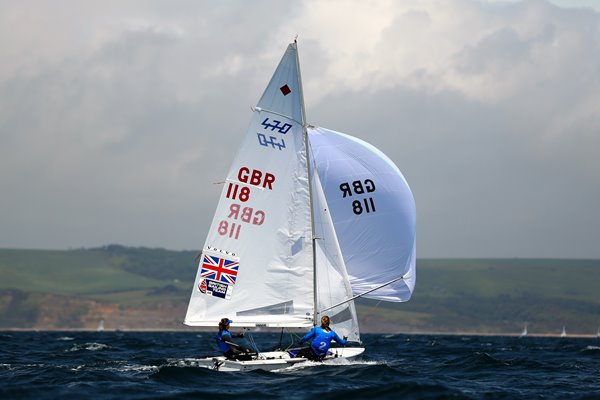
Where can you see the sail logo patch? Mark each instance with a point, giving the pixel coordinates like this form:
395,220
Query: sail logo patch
218,276
285,89
263,140
219,269
215,289
273,125
202,286
276,125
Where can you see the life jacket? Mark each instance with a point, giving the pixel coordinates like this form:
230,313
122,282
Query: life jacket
223,347
321,340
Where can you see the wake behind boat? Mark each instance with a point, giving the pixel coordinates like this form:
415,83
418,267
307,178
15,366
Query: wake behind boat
309,219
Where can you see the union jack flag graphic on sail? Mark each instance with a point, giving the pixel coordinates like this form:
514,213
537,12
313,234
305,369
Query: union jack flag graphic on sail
219,269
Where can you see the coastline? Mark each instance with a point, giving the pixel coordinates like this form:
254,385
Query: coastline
416,333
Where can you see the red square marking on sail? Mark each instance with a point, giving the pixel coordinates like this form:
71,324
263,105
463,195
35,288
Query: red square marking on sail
285,89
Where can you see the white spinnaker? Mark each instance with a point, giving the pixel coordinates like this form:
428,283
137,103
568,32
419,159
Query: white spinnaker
333,286
373,211
263,218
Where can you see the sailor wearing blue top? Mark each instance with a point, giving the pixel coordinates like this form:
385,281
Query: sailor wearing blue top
227,346
321,340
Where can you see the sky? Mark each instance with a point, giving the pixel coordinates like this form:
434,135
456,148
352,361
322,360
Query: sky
118,118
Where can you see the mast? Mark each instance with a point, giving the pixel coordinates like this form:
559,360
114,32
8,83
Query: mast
310,194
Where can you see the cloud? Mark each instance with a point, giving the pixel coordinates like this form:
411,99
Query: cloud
116,119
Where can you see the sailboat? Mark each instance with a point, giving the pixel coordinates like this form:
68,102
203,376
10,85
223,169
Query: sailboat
563,333
309,219
524,333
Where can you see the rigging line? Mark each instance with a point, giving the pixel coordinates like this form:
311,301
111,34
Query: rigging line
280,339
292,335
362,294
252,342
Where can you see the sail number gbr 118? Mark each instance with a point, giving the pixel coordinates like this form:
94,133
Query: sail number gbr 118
357,188
254,177
239,214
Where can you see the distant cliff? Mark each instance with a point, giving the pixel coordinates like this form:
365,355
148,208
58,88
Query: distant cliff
143,288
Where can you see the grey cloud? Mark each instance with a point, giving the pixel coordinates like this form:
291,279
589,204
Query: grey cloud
120,134
499,51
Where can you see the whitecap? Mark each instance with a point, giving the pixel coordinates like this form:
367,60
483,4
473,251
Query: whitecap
126,367
182,362
138,368
594,348
89,346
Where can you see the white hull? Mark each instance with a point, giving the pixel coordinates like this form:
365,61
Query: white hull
272,360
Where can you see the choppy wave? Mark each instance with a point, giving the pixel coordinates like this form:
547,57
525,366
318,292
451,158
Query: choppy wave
166,365
89,347
592,349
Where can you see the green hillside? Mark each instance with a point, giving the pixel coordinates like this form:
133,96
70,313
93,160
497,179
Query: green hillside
94,272
135,288
503,295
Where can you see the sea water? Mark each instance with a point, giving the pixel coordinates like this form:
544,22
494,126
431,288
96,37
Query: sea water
161,365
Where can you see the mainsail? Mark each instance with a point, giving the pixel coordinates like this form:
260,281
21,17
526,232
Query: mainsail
256,265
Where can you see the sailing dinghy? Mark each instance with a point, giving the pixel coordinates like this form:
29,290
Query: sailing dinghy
308,220
524,333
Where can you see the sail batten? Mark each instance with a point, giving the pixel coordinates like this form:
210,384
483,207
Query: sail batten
262,110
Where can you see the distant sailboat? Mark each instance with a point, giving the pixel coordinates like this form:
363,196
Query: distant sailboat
100,326
563,333
524,333
598,333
